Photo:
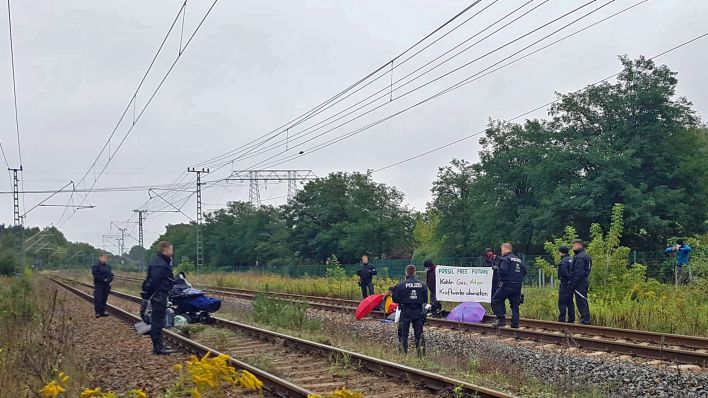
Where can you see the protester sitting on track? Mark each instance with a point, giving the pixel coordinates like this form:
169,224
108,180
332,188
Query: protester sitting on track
157,286
102,278
366,274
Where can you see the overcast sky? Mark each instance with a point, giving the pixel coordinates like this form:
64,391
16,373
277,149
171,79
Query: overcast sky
255,65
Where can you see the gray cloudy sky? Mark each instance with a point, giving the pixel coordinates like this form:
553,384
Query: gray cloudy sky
254,65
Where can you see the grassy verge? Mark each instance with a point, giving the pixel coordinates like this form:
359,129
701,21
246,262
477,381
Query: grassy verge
32,310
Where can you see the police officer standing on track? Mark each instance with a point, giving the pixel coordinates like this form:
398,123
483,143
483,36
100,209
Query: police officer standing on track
366,275
565,291
156,287
411,295
579,274
511,276
102,278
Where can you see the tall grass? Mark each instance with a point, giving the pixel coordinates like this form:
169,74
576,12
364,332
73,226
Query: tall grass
35,339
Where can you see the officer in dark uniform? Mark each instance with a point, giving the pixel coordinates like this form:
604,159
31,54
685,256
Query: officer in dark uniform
102,278
565,290
579,274
511,276
366,276
492,260
411,296
156,287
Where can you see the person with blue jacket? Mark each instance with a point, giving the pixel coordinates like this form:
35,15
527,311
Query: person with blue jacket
681,249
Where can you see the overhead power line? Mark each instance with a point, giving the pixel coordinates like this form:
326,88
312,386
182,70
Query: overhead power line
132,102
476,76
385,92
480,132
14,85
345,93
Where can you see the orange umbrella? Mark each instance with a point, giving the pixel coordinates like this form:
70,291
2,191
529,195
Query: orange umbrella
367,305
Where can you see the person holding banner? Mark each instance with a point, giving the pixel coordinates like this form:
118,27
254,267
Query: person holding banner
511,276
430,280
411,295
491,260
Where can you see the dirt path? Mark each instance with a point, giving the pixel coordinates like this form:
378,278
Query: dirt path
116,357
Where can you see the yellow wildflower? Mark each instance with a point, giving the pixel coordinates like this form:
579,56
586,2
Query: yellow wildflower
91,392
63,377
196,393
136,394
249,381
51,390
178,367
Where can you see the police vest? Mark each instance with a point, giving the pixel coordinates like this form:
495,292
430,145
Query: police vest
412,291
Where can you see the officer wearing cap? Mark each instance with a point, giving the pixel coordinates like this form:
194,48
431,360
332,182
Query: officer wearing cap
565,290
411,295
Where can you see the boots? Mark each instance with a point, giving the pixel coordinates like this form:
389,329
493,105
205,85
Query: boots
501,322
159,348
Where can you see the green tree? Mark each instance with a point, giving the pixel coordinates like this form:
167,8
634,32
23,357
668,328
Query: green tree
349,215
631,142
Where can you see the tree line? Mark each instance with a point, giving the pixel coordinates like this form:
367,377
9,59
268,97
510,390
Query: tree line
633,142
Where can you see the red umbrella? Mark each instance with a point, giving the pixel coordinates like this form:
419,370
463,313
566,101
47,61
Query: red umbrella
367,305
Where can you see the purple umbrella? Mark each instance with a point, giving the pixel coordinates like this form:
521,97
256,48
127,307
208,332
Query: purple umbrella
467,313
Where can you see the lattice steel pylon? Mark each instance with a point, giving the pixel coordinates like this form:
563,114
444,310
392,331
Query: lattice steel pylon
254,177
16,196
200,242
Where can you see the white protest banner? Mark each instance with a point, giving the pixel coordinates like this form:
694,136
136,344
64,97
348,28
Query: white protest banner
460,284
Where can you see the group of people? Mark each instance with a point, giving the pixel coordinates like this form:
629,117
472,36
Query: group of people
507,281
155,288
411,294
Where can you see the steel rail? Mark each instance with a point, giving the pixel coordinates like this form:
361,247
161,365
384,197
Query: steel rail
271,383
429,380
661,346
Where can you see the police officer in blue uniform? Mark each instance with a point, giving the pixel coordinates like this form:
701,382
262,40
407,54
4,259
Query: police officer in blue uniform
156,288
565,290
579,279
411,295
511,277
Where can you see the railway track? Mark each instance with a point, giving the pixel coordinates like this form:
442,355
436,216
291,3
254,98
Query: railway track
314,366
681,349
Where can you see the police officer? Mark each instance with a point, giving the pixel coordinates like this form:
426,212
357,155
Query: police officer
579,274
430,280
366,274
511,275
411,295
492,260
102,278
156,287
565,291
